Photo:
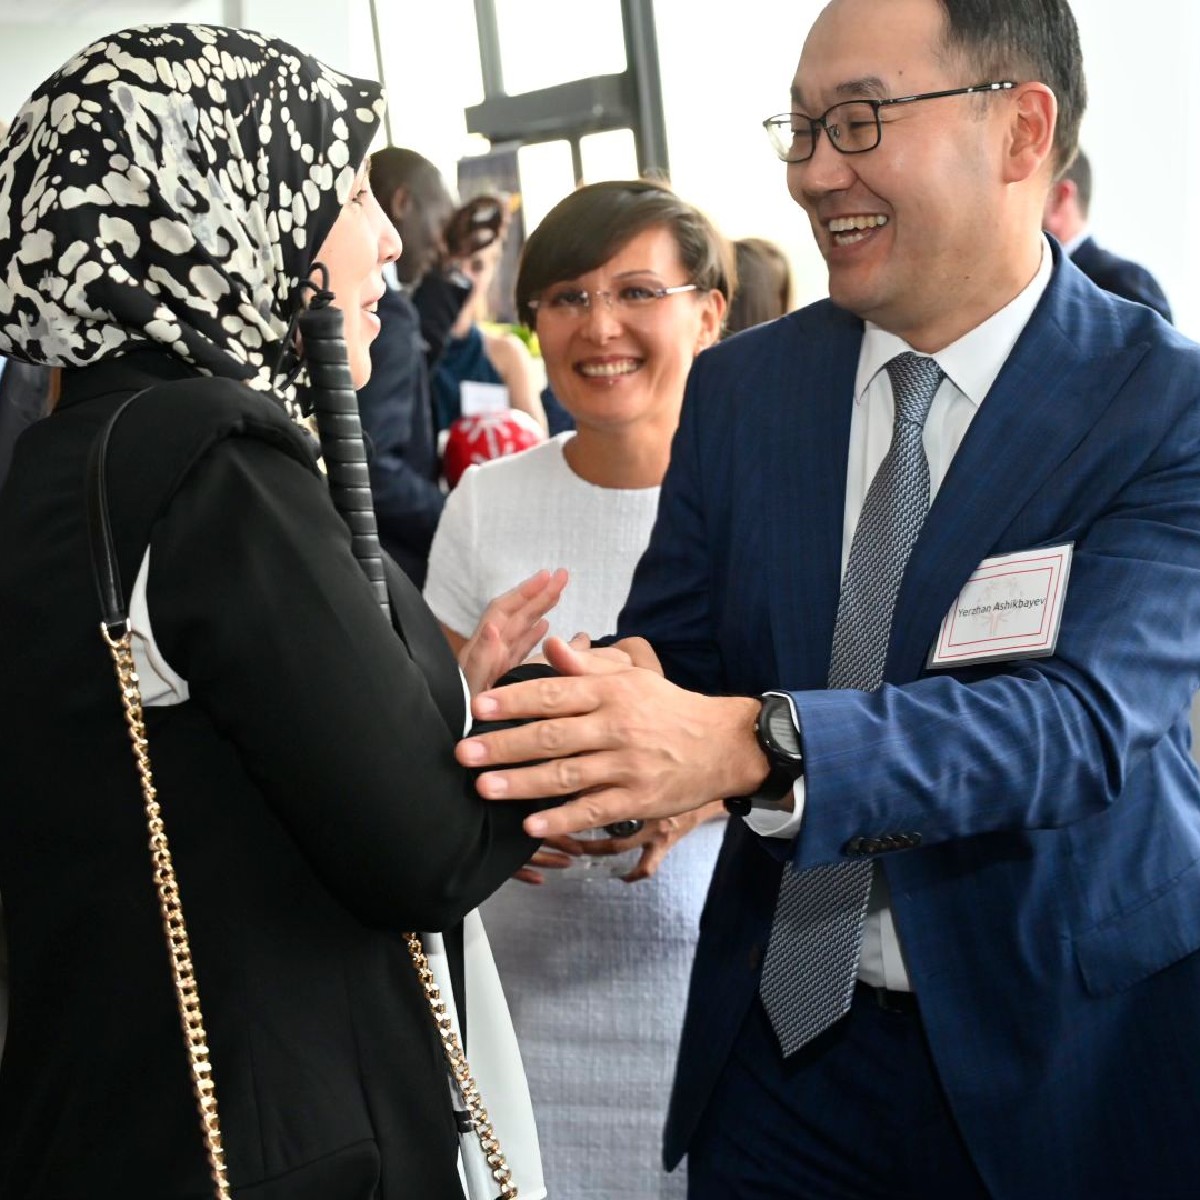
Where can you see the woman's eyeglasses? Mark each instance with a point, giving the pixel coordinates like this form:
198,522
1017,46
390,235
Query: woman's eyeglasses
630,299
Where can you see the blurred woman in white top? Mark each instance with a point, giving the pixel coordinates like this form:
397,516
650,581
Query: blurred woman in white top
625,283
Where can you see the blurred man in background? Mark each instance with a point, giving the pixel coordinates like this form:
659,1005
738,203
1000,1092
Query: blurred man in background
416,318
1066,217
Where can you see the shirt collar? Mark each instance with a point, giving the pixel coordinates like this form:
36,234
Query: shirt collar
973,362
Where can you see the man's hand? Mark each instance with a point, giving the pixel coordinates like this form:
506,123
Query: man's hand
621,740
509,629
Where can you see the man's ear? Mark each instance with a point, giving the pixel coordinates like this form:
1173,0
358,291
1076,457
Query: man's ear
399,204
1030,144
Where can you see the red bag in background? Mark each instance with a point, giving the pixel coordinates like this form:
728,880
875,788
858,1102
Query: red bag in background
478,439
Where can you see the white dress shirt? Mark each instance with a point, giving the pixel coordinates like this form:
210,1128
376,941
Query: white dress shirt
971,366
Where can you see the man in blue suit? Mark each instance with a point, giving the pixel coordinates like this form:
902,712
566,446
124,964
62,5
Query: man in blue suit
1066,216
1024,1021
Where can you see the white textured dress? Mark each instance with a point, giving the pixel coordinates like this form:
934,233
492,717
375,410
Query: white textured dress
595,971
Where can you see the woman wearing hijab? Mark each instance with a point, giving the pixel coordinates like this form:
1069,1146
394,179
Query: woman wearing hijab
163,200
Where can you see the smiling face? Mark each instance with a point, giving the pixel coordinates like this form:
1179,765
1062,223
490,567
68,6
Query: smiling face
360,242
614,367
918,233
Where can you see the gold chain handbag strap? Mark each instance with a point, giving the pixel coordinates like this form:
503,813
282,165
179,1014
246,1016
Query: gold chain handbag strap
187,994
460,1069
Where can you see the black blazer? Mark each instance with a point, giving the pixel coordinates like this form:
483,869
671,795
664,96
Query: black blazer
24,389
1120,276
312,799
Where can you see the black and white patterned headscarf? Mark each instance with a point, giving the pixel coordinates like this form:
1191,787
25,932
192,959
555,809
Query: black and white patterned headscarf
170,186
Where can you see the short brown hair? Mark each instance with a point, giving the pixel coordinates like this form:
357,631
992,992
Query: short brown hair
584,230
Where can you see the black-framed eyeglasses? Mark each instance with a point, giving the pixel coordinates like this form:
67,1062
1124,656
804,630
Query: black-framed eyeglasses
853,126
632,298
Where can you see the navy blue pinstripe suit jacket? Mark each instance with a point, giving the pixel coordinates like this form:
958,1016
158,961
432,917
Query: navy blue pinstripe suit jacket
1051,916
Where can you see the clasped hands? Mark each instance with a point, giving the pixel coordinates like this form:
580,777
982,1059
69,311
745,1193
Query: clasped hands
614,738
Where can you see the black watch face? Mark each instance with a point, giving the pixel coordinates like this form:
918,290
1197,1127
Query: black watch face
779,731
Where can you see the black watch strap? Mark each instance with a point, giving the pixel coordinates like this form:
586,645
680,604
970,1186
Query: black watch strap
778,733
771,793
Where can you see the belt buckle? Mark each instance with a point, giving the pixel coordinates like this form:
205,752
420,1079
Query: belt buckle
904,1003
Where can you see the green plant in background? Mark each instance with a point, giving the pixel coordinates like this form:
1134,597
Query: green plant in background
525,334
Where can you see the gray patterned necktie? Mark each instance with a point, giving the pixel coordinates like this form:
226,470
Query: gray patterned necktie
812,957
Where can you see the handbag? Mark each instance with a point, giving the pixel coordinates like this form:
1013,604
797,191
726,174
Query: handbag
116,630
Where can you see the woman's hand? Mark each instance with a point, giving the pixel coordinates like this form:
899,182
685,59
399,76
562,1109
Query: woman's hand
554,854
511,626
656,838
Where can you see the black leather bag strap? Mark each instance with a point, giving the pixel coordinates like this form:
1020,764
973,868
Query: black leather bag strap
106,569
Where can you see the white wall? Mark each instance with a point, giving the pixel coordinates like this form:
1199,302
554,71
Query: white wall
31,51
721,78
1141,132
326,28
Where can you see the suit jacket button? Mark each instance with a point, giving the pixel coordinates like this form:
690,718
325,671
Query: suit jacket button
754,957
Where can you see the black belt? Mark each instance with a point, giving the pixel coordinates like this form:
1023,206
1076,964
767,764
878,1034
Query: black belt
889,1000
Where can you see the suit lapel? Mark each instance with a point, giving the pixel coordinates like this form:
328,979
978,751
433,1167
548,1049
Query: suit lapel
806,481
1042,405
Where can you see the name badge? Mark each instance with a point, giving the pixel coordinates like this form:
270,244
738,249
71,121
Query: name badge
1010,608
478,399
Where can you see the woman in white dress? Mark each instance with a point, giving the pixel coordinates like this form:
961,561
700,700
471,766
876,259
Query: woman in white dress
625,284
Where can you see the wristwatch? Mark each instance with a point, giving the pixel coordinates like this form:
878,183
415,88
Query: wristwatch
778,733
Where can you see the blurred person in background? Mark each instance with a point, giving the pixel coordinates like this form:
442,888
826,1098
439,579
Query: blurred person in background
475,355
625,283
764,284
1066,217
302,738
415,322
